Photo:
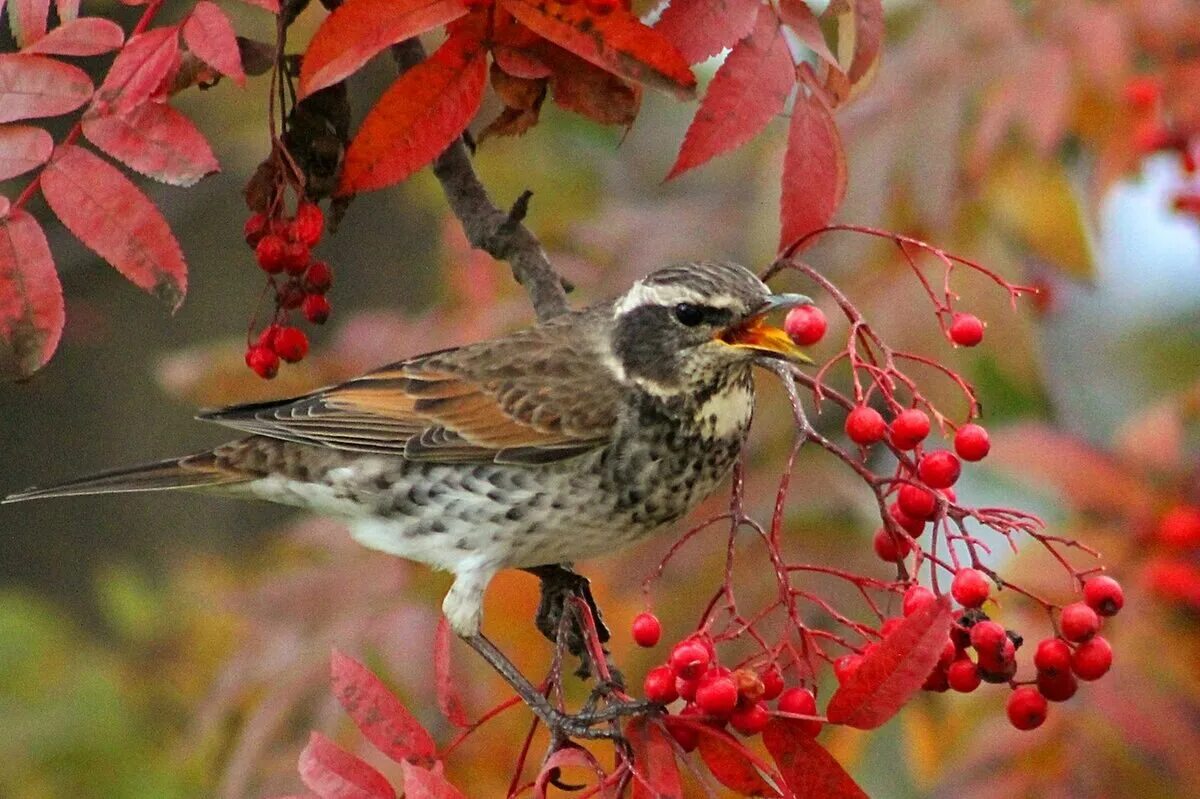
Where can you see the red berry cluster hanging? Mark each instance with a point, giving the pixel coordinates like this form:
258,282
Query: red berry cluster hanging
1173,574
1157,131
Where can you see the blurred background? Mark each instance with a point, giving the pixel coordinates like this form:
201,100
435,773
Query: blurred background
169,645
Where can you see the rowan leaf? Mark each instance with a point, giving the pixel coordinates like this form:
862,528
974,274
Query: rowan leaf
22,148
617,42
807,768
798,16
449,700
380,716
266,5
27,20
140,68
748,91
209,34
814,170
36,86
587,90
700,29
860,37
113,218
732,764
31,301
420,114
422,783
80,37
154,139
334,773
890,675
656,774
359,29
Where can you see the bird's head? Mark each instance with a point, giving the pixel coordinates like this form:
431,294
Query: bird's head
688,325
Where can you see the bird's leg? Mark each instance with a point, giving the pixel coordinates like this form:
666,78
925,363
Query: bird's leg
559,583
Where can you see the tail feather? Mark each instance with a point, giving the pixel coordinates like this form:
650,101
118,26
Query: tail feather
192,471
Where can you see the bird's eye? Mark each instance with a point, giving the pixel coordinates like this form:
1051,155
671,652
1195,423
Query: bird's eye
689,315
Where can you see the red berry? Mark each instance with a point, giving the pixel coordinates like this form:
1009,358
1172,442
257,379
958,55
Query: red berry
318,278
939,469
971,442
1103,594
1151,135
270,253
801,702
263,361
1057,687
295,257
1174,580
309,224
1092,659
963,676
1078,622
889,626
909,428
1026,708
687,688
1142,91
845,667
989,637
1053,656
255,228
805,324
750,719
659,685
916,502
685,734
1180,527
690,659
890,547
966,330
601,7
646,629
970,588
913,527
316,308
917,598
865,425
290,295
772,682
291,344
1000,659
717,695
937,681
267,337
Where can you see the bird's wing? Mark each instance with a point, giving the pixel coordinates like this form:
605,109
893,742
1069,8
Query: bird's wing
537,396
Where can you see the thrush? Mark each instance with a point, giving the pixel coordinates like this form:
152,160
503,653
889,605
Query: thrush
559,442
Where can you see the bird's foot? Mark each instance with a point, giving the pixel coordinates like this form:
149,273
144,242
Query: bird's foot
559,584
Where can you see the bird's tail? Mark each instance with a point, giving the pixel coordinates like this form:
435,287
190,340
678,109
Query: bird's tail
191,471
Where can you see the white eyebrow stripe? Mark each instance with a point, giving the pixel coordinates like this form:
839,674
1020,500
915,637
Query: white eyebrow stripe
641,294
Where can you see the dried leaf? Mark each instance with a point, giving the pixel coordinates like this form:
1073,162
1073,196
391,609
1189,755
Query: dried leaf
140,68
112,217
358,29
860,34
656,774
80,37
733,765
209,34
889,676
566,757
617,42
588,90
22,148
814,170
419,115
749,89
382,717
421,783
27,20
700,29
449,700
334,773
154,139
807,768
31,301
36,86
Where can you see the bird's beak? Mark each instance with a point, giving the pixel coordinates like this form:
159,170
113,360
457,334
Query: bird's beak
755,334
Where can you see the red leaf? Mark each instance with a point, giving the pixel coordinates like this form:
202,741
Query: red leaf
154,139
36,86
27,20
867,17
334,773
420,114
814,170
700,29
749,89
656,774
82,37
22,148
112,217
807,768
888,677
378,713
448,698
617,42
31,301
421,783
734,766
267,5
209,34
586,89
358,29
140,68
567,757
797,15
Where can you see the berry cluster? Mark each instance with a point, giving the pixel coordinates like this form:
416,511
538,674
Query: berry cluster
1173,574
1156,131
283,249
717,695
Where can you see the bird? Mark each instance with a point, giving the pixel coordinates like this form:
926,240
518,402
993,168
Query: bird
558,442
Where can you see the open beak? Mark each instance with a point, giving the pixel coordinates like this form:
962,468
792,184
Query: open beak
755,334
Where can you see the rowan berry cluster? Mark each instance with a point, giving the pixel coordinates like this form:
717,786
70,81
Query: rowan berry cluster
1173,574
1156,131
283,249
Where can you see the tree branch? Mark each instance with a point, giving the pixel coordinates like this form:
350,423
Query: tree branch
500,234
